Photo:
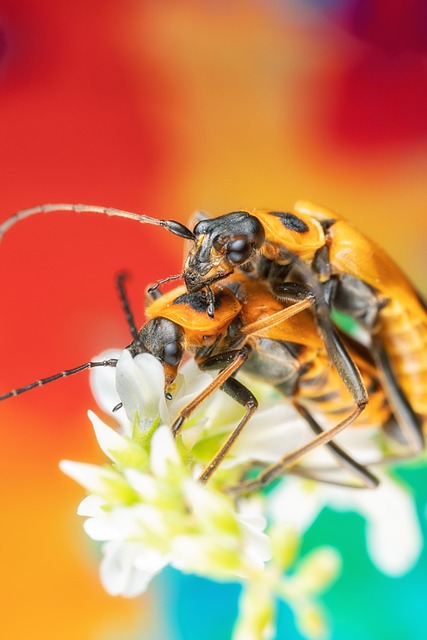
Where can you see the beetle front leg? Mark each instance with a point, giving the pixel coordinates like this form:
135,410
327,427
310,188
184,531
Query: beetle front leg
245,397
153,292
229,362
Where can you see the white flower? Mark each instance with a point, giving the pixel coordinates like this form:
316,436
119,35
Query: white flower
138,383
393,535
103,384
148,511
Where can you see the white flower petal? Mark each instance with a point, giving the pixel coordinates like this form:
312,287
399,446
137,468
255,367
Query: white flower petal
143,483
296,503
256,544
119,573
102,528
252,511
214,512
270,434
118,523
140,385
163,451
103,384
252,520
193,434
207,556
150,560
103,481
108,439
132,522
90,476
92,506
394,538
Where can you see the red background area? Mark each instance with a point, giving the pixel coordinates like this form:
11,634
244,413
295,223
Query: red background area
73,128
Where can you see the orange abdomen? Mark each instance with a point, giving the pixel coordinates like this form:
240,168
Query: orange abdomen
322,388
405,339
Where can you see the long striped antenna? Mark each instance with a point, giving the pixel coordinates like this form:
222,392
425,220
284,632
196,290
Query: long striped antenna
63,374
171,225
121,278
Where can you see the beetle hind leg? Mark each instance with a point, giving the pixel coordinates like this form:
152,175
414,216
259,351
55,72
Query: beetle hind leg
409,423
365,478
322,438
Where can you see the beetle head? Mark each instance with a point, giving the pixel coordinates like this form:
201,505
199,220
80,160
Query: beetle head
221,245
163,339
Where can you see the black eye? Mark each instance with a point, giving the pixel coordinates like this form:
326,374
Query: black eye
239,250
172,353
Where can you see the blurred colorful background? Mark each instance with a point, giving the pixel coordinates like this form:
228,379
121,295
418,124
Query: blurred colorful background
164,107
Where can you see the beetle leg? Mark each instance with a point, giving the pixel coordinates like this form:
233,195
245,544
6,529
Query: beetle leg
321,263
301,472
229,362
316,475
341,359
408,421
232,361
367,480
275,470
339,355
243,396
278,317
153,290
360,301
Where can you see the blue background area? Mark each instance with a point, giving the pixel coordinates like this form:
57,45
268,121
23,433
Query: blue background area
362,604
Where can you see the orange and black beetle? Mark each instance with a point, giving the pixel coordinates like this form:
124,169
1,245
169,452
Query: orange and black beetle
346,271
308,252
275,342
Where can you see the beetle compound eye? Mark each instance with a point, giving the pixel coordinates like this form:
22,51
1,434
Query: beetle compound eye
172,353
239,250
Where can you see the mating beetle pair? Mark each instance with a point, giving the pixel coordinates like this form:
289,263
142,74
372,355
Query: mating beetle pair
346,272
309,257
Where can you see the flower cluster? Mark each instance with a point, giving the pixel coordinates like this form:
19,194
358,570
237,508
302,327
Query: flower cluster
148,510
